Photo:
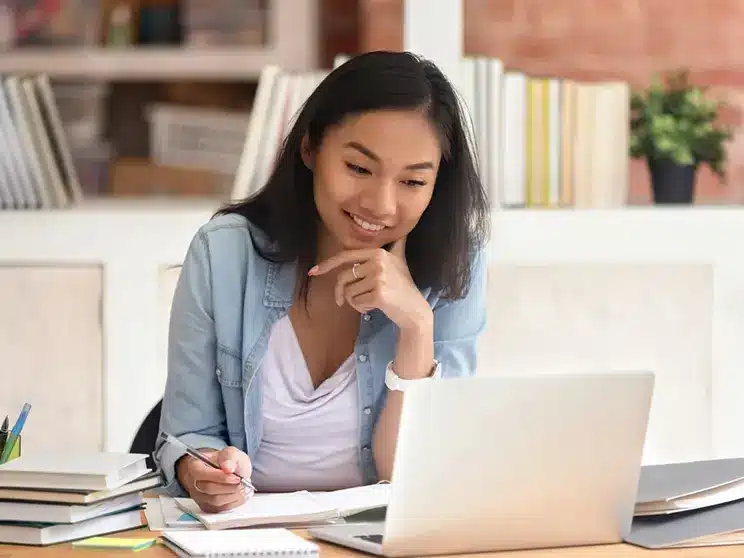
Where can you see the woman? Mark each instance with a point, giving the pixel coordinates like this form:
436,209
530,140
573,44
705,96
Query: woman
301,313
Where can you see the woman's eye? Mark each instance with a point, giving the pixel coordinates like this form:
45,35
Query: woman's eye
356,168
414,183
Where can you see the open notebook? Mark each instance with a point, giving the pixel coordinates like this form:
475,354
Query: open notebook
293,508
255,542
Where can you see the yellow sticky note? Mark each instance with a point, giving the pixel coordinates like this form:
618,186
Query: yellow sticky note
114,542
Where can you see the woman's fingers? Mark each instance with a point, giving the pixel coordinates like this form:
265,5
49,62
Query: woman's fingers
215,488
221,502
219,489
205,473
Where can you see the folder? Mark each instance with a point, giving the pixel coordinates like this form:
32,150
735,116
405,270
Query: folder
712,526
678,487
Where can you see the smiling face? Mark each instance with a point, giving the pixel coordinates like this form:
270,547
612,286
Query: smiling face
374,176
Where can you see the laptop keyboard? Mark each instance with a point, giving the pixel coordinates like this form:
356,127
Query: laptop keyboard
371,538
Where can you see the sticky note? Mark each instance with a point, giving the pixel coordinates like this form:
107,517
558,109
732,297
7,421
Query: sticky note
114,542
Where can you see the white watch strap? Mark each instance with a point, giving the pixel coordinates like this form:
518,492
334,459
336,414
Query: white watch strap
396,383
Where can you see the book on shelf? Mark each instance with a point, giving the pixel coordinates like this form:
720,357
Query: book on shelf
49,498
36,167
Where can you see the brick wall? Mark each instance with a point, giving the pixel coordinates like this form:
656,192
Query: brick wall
608,39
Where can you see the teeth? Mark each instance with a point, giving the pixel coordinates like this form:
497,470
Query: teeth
366,225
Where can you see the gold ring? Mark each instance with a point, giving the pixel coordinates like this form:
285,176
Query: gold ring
196,485
353,271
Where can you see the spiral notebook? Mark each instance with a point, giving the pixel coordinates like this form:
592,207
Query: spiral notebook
243,542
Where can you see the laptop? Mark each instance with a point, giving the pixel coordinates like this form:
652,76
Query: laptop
487,464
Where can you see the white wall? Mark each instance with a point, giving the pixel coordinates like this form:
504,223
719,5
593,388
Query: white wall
602,317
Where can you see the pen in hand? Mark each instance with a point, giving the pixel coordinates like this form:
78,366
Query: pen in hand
197,455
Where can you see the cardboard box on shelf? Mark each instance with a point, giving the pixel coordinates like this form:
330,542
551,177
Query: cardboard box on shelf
135,177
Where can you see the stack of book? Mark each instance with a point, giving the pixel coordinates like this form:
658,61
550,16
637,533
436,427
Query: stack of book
52,498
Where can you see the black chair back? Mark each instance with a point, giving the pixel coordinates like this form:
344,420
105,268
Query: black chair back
147,435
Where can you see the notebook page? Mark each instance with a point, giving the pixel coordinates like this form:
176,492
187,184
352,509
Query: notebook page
264,508
354,500
253,542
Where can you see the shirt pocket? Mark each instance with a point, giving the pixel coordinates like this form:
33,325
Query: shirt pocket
229,371
230,377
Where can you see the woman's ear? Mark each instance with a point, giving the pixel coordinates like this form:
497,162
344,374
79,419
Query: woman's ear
308,157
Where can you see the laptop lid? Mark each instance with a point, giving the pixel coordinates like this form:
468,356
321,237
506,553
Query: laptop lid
498,463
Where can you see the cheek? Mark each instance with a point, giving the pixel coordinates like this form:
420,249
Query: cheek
332,185
411,209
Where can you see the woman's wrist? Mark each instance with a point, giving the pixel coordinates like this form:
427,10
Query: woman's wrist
420,323
414,357
182,471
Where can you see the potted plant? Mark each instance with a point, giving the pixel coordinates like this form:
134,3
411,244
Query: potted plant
675,127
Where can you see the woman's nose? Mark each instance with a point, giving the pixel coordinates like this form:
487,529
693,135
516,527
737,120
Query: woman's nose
380,199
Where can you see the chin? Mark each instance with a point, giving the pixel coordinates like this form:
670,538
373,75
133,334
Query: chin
351,244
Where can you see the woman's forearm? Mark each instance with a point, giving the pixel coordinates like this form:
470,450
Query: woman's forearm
414,358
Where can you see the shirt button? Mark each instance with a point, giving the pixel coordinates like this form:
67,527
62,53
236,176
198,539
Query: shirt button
366,448
367,317
363,358
367,411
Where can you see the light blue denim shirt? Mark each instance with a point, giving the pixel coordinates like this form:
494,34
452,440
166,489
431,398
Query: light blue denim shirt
226,301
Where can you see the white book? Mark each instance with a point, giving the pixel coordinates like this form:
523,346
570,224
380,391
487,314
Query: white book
554,142
42,534
273,133
61,513
247,170
58,137
71,471
467,95
493,131
42,140
80,496
514,140
256,542
15,154
480,117
28,149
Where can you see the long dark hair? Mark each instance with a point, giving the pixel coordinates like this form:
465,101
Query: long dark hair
456,221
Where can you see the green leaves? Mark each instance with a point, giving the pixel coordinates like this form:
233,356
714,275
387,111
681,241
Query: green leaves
675,120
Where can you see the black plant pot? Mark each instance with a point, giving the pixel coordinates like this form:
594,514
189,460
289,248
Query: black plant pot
672,183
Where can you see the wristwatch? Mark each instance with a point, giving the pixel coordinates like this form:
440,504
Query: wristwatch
396,383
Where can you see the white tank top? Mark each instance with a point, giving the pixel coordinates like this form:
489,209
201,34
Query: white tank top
310,436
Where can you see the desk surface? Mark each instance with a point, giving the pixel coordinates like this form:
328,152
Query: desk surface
332,551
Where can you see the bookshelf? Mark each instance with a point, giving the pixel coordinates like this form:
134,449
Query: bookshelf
111,97
160,64
292,28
